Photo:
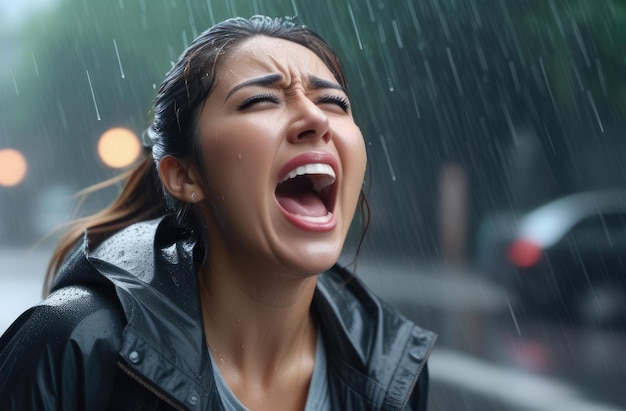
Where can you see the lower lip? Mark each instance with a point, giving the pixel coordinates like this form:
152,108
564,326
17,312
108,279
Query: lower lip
304,224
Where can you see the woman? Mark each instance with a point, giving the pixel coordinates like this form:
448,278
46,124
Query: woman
199,288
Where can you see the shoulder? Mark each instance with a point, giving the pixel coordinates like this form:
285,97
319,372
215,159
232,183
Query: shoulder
59,353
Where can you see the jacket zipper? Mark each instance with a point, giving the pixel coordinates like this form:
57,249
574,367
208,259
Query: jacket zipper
150,387
419,371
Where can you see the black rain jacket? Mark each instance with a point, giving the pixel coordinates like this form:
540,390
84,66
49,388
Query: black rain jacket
122,330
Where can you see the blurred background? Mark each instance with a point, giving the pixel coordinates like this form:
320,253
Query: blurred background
497,167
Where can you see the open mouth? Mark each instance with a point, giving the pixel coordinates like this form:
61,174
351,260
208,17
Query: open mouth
308,193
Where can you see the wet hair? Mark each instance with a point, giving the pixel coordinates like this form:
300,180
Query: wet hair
173,131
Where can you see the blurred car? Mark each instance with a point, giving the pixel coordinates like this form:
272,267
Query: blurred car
568,254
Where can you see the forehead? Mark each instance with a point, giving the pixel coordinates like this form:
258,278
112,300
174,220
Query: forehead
263,55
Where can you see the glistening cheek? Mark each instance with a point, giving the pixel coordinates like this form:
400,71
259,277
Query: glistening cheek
351,149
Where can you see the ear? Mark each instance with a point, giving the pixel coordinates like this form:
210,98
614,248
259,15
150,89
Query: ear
180,181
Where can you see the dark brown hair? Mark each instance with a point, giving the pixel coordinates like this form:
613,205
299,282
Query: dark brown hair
173,129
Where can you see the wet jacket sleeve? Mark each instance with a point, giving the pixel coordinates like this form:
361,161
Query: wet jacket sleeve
62,354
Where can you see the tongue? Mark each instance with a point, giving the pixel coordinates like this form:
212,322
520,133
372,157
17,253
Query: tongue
304,203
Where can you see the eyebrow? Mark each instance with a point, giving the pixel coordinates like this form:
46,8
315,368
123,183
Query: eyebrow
264,81
315,83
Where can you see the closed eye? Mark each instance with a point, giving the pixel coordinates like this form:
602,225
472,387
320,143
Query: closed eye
340,101
257,98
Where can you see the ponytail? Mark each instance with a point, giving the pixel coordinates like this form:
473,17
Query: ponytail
141,199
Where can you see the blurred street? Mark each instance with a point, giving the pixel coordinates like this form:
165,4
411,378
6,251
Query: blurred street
488,357
491,357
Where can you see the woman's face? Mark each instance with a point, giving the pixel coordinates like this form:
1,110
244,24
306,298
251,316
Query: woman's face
284,159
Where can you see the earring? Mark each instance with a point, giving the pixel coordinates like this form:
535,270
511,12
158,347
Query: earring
193,196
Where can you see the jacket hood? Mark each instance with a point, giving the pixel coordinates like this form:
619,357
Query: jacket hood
151,266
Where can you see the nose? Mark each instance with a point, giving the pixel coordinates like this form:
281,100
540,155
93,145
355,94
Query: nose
310,123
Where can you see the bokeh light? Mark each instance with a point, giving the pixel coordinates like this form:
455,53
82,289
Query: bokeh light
13,167
118,147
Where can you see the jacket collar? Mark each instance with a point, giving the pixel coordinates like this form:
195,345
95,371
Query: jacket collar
376,351
151,264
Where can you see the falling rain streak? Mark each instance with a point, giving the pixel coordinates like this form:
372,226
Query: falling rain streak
17,91
476,13
32,53
595,110
93,96
414,19
295,8
232,9
601,77
185,40
370,11
557,18
415,104
211,15
581,44
514,76
192,20
62,115
519,332
144,19
119,61
545,80
454,72
396,30
382,141
356,29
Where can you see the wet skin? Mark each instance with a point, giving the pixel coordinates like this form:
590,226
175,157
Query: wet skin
276,105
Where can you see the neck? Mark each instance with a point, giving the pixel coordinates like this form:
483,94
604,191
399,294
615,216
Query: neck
257,323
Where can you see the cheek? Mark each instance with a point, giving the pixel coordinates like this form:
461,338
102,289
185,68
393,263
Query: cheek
356,158
237,169
354,164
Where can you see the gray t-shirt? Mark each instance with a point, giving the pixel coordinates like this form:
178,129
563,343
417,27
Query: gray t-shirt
317,399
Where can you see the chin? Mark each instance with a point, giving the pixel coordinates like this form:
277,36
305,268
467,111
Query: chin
315,258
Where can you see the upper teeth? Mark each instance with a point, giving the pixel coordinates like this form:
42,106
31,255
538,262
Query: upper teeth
324,173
